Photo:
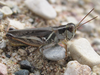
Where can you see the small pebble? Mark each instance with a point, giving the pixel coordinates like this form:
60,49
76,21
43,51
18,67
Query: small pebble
58,9
1,15
96,69
22,52
14,54
41,8
52,1
1,51
71,20
3,69
22,72
97,49
75,68
16,10
88,27
6,11
7,55
11,4
87,1
64,23
81,50
37,73
81,2
63,2
25,64
54,53
16,24
31,20
96,41
97,9
98,30
2,3
2,44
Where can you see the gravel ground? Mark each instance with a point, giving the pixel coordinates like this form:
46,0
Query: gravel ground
19,16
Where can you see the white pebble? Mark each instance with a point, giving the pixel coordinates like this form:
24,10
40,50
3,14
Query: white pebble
2,3
71,20
3,69
41,8
6,11
58,9
11,4
96,69
82,51
64,23
75,68
16,24
54,53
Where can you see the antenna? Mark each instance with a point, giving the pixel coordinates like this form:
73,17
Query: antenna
87,22
78,25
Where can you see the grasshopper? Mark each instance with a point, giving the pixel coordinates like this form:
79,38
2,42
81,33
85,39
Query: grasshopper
44,36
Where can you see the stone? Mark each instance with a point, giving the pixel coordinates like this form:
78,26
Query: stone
54,53
97,49
81,2
41,8
81,50
11,4
71,19
8,56
25,64
16,24
58,9
96,69
16,10
22,52
3,69
97,9
2,3
63,2
2,44
22,72
6,11
37,72
87,1
64,23
1,51
88,27
96,41
52,1
98,30
75,68
1,15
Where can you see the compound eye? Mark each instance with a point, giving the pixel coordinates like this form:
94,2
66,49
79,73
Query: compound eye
71,27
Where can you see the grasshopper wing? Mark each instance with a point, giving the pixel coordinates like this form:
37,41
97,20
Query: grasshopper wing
33,37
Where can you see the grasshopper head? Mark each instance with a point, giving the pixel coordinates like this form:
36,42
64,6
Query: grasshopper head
70,30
